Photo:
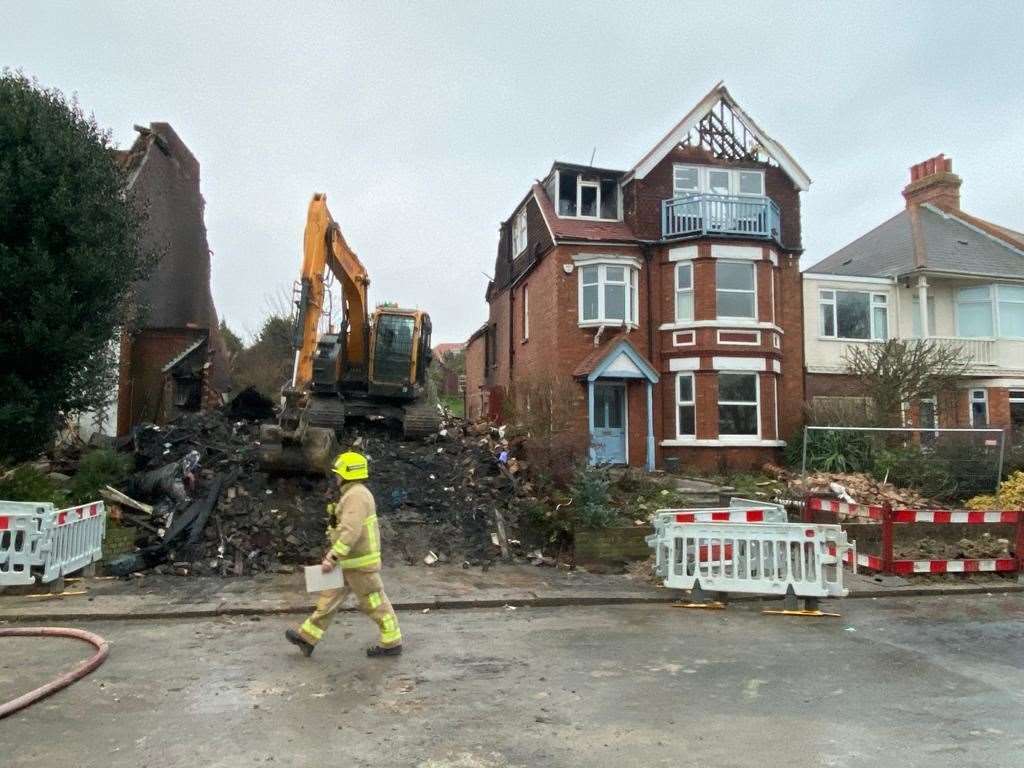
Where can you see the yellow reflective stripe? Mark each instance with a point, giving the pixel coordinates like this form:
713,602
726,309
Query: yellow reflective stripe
361,562
370,519
340,548
374,600
311,629
389,632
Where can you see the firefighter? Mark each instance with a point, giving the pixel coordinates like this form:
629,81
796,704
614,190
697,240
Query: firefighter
355,548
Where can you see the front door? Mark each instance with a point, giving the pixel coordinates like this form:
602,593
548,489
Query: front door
610,424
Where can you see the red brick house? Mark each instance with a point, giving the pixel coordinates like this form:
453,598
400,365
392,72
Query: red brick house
670,292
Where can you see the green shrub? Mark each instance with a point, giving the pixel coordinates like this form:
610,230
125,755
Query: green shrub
26,483
97,469
591,501
912,467
839,451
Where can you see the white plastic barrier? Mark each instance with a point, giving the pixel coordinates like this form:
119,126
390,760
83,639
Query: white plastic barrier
760,558
21,538
738,511
73,540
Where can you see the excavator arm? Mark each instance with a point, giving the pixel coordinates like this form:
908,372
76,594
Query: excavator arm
324,248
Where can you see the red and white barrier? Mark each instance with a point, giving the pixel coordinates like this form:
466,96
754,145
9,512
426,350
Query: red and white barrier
888,517
844,508
74,540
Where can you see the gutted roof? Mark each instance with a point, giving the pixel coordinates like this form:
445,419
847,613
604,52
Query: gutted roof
713,123
948,242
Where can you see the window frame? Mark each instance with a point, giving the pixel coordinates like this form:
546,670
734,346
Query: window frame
1016,397
756,403
997,306
631,306
520,232
971,400
678,290
753,291
704,180
876,300
580,183
992,302
680,403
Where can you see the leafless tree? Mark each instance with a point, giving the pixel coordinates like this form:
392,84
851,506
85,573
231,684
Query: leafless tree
899,372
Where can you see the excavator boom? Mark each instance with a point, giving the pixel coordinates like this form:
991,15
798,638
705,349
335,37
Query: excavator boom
324,247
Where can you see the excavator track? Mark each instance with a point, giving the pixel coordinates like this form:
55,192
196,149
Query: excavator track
421,420
325,412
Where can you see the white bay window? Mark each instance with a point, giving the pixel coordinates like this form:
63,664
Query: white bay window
684,292
608,293
990,311
735,291
738,409
686,406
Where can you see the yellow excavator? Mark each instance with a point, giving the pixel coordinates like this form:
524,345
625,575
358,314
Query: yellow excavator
374,367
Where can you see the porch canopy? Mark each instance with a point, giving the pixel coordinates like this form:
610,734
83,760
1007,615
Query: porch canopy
618,360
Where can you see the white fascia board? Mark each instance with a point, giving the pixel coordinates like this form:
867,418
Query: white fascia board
739,363
738,443
677,364
775,150
737,252
606,258
731,325
849,278
683,253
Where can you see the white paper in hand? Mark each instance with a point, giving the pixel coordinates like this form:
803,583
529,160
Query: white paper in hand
318,581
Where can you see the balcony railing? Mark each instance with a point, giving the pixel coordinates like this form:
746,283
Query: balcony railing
706,214
980,351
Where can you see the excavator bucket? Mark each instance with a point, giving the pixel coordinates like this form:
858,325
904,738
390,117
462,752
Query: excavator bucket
312,450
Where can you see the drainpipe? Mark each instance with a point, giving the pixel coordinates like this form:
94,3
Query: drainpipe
649,259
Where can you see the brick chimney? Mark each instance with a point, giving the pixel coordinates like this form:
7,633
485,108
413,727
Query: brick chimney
933,181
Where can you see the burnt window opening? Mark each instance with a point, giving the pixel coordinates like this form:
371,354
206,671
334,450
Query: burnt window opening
587,195
188,392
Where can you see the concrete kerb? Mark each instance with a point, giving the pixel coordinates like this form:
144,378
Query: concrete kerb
223,610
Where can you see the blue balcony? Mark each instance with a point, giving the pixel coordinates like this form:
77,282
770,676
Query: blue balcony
706,214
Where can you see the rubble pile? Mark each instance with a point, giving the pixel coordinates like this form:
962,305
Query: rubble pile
856,487
984,546
201,505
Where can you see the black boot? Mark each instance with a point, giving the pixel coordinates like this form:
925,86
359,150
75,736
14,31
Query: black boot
377,650
295,638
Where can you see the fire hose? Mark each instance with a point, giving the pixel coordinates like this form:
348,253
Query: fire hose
80,671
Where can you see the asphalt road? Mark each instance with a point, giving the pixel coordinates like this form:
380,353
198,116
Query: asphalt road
913,682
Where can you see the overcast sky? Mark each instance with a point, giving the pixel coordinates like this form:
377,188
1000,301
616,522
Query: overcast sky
425,123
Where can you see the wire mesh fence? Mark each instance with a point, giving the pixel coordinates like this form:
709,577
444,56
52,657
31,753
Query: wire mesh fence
940,463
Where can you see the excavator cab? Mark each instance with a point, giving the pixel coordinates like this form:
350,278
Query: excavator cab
399,351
